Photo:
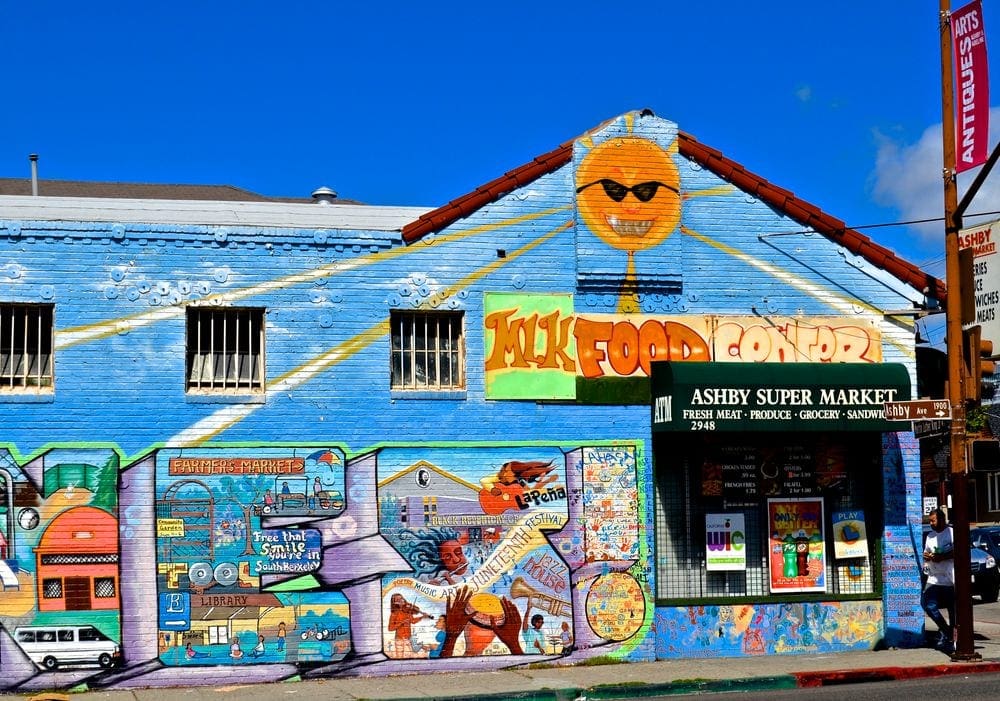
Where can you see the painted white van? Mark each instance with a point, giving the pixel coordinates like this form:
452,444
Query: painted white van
52,646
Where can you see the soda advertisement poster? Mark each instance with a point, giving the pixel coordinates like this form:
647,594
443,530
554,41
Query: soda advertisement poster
797,556
849,537
725,542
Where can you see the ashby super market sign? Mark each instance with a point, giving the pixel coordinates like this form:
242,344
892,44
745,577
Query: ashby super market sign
776,396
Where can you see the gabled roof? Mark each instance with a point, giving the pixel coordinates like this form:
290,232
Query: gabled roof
782,200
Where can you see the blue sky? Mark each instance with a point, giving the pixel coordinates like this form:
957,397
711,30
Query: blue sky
417,103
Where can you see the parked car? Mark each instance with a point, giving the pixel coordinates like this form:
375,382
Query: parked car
985,576
987,539
983,563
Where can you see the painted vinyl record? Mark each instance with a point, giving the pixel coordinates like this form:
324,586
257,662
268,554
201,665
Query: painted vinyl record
200,574
226,574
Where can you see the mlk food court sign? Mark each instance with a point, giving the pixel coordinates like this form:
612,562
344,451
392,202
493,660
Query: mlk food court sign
692,396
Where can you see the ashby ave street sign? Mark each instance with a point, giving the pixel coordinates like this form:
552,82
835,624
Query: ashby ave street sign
918,410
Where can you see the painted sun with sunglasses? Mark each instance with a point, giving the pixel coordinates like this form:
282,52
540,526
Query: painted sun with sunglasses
628,193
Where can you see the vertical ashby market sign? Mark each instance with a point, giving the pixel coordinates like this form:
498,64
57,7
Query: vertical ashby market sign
982,241
776,396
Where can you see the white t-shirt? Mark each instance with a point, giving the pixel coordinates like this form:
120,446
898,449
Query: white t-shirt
940,572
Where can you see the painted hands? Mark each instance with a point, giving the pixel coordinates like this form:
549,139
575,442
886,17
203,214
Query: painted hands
509,630
456,617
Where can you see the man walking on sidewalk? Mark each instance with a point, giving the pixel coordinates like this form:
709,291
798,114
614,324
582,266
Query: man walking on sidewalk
939,565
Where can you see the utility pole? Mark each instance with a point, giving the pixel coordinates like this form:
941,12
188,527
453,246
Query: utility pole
964,643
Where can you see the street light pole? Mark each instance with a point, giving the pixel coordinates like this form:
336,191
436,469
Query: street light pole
964,643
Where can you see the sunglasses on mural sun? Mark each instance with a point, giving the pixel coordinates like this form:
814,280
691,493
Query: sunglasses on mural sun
643,192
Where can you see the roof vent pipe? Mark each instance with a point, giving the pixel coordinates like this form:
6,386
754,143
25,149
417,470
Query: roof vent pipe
324,195
34,174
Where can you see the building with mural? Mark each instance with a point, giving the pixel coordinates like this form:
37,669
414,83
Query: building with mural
623,403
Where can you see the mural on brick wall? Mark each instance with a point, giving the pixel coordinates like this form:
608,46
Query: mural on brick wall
59,560
517,552
214,554
303,561
767,629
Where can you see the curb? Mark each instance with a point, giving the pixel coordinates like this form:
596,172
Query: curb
855,676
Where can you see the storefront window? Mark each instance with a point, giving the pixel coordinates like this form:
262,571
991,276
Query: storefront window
767,515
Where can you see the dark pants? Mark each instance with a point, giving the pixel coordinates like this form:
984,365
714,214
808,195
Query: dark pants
935,598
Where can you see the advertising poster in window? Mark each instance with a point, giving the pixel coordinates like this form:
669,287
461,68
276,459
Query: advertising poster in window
797,556
725,542
849,537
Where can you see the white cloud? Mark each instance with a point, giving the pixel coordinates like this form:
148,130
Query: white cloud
908,178
804,93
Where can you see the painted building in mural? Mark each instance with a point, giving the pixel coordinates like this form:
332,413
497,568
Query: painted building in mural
624,402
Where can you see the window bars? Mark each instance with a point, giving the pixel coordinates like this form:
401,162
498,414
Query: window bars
225,350
26,347
428,351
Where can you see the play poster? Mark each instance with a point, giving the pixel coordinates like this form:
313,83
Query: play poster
849,538
797,556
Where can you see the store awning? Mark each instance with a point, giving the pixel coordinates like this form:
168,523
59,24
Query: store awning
690,396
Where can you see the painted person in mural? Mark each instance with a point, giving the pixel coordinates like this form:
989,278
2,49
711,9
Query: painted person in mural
534,638
402,616
436,554
939,591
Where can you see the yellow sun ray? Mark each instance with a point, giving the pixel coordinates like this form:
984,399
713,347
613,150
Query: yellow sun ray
72,336
838,301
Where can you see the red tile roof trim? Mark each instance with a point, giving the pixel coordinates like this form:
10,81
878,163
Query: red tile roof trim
490,192
782,200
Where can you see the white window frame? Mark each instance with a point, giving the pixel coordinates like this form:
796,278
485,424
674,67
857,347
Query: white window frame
427,351
224,350
26,344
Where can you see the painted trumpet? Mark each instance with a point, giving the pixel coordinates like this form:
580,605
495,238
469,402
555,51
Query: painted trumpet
519,589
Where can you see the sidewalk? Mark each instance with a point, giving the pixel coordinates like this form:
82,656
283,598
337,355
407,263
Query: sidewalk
618,681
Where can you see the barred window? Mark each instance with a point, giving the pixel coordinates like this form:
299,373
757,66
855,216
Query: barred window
52,588
104,587
26,347
225,350
428,351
